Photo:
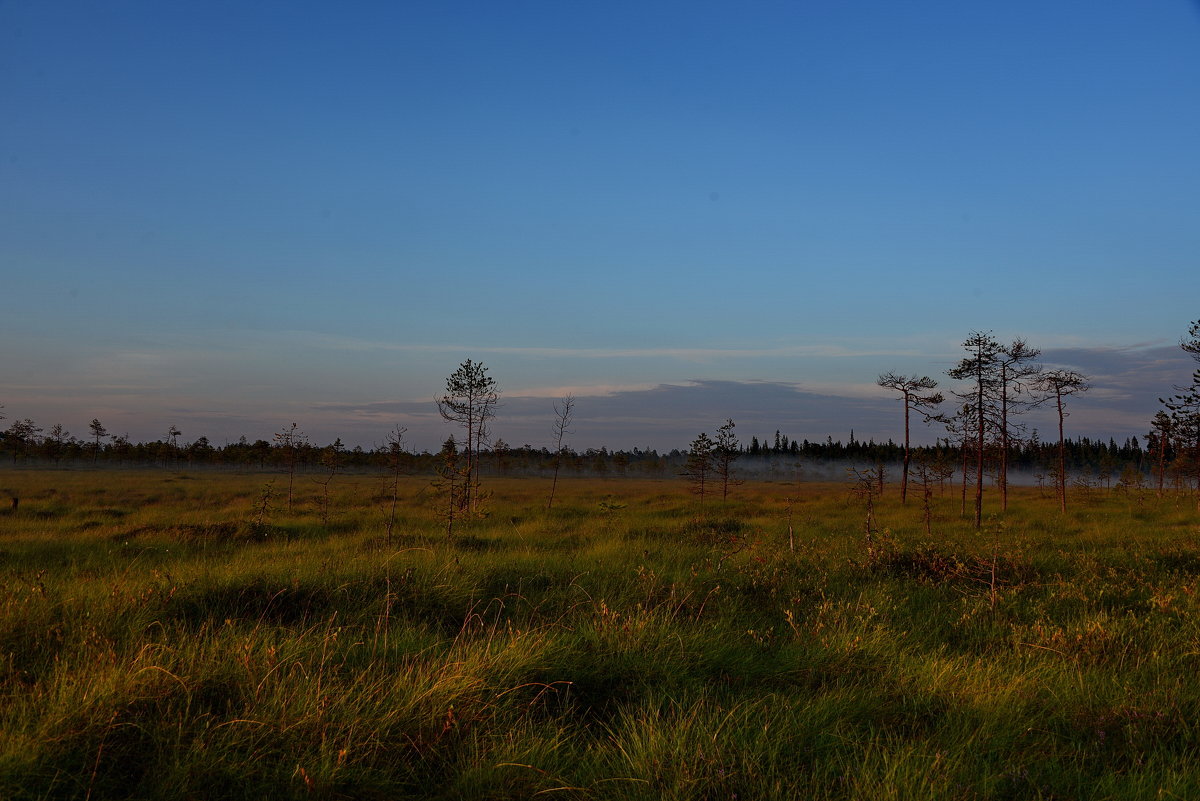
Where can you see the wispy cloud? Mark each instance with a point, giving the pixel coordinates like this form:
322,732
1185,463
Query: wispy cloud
1127,373
579,390
842,348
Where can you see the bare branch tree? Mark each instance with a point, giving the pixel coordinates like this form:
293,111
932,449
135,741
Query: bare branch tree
926,475
289,441
331,460
395,452
959,434
563,408
865,485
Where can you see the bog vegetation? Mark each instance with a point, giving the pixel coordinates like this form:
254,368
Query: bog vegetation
305,622
204,634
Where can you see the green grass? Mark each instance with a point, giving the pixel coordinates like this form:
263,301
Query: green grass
158,640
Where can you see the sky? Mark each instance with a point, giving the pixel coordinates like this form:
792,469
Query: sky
232,216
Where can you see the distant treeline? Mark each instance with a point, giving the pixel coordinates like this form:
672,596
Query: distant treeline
780,456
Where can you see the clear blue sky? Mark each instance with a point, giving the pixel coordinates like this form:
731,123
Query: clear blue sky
229,216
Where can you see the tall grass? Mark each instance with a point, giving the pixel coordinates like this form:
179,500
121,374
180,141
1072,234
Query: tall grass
168,636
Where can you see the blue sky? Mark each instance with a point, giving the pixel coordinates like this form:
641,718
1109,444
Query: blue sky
230,216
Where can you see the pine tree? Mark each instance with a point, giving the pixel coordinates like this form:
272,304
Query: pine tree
699,467
450,484
470,401
915,398
1184,410
1016,377
979,368
1059,384
99,432
725,451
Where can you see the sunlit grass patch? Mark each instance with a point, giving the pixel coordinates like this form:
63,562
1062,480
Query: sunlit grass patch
168,635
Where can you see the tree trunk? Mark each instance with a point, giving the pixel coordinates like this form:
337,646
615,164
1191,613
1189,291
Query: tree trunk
1062,457
965,472
979,442
1004,442
904,473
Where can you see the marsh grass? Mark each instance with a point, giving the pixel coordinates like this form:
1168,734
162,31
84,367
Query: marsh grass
158,640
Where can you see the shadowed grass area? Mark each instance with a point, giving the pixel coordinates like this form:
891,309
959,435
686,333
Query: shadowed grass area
163,637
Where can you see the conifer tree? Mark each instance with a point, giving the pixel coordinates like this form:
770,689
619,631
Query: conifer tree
99,432
1015,377
470,401
1184,410
1059,384
912,390
725,452
1158,442
451,484
699,469
979,368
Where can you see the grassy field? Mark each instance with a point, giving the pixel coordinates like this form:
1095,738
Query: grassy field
167,635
